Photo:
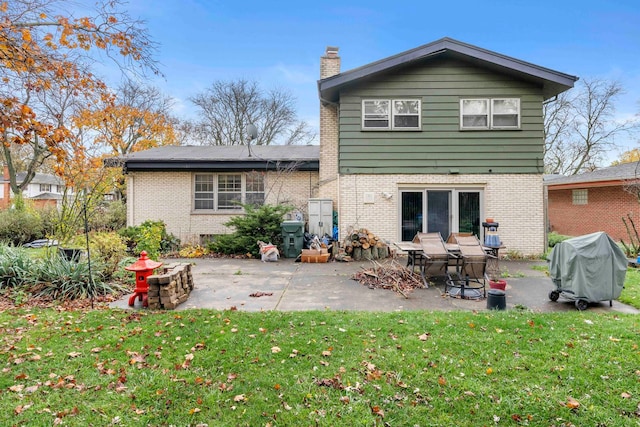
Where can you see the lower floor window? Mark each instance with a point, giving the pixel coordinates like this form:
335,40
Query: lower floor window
224,192
580,197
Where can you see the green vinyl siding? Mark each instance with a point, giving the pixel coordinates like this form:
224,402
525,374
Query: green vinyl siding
441,146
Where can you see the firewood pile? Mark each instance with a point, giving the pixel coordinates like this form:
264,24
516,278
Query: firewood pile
389,275
363,244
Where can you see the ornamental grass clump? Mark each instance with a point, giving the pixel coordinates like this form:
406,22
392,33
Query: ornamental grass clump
15,265
58,278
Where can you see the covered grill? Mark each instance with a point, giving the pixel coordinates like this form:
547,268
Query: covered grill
589,268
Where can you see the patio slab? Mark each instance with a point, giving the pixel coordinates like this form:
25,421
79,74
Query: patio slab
224,284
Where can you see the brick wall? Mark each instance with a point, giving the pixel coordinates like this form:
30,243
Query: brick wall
515,201
604,211
168,196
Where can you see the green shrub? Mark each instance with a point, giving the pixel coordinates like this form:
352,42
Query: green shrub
259,223
110,216
150,236
555,238
15,266
20,226
108,248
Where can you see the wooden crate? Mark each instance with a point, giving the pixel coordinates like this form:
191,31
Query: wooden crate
313,256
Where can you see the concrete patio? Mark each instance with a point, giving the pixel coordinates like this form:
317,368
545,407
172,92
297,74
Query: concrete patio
225,283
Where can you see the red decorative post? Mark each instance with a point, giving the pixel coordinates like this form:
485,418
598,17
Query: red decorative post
143,268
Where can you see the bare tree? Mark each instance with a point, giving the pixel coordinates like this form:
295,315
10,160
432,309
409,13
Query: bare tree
581,128
226,108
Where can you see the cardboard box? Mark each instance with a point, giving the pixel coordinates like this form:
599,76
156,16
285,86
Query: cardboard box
314,256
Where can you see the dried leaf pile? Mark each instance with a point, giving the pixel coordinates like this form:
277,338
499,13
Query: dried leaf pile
389,275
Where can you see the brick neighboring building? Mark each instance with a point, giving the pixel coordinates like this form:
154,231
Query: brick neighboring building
594,201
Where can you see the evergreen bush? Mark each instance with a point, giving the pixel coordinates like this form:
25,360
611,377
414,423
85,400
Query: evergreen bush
259,223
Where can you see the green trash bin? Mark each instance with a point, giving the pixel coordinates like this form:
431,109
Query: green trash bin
292,238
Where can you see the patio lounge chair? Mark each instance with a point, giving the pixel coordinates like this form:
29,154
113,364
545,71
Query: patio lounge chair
435,257
469,281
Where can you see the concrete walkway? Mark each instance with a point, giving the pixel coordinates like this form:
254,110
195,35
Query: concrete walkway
224,284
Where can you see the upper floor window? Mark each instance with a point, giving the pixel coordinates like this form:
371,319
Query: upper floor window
224,192
391,114
45,188
490,113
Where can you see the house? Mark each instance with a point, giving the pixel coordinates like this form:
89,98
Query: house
44,190
595,201
196,189
437,138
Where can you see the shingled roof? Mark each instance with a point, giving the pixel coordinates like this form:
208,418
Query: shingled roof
552,82
222,158
613,175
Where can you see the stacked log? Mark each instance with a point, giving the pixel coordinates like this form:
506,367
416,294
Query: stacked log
170,288
363,244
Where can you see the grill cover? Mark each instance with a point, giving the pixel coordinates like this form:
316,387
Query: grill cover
592,267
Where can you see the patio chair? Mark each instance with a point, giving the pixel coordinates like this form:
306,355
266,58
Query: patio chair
453,236
435,257
470,278
416,258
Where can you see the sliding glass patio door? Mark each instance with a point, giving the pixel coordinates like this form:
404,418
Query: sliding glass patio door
440,210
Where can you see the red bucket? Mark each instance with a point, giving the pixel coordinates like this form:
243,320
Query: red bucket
498,284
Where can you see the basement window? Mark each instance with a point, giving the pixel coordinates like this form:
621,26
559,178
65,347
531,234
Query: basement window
580,197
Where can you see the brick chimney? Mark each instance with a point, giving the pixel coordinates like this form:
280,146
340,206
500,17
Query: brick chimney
329,131
330,62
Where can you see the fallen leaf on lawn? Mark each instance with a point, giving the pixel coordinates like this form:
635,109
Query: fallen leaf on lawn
572,403
469,393
74,354
194,411
96,349
326,353
275,349
31,389
625,395
345,399
376,410
441,380
424,336
20,409
277,386
240,398
489,371
16,388
286,406
614,339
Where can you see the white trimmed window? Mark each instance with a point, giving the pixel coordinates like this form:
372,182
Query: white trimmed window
225,192
490,113
45,188
391,114
580,197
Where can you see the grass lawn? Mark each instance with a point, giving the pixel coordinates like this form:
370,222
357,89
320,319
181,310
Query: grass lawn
111,367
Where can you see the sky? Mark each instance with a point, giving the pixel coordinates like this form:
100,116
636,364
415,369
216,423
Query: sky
279,43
